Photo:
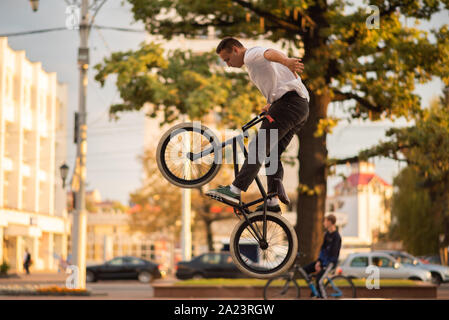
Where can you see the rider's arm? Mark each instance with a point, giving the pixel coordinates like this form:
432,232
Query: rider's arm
292,63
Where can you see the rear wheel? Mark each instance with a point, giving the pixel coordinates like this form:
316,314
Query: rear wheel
144,277
436,279
267,259
197,276
282,287
90,276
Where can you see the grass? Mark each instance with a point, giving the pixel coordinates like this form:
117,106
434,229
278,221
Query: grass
301,282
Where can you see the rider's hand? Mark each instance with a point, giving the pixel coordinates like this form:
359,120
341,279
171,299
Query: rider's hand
266,107
317,266
295,65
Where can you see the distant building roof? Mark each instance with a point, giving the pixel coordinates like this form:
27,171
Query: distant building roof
357,179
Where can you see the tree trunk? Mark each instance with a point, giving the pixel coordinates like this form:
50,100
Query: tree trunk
312,173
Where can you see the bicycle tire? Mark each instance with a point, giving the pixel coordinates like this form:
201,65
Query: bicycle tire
161,153
245,265
288,288
345,285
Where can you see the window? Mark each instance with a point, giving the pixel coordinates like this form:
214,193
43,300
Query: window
406,260
134,261
211,258
359,262
116,262
227,259
383,262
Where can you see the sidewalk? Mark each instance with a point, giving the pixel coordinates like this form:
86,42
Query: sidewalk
35,278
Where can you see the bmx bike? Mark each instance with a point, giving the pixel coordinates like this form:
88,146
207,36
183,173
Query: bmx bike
286,286
189,155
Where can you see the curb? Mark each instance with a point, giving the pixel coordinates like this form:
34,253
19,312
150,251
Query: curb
198,291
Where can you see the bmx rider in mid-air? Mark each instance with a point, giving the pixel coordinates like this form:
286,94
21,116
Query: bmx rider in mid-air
276,76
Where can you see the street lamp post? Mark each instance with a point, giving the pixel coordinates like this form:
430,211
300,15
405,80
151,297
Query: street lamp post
34,5
79,236
64,170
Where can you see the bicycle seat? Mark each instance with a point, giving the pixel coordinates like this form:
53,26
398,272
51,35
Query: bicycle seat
283,197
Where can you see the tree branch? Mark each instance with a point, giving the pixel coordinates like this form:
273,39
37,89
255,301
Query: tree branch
342,96
286,24
384,150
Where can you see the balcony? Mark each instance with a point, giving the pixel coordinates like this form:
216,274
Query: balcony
7,164
27,119
9,112
26,170
42,175
43,127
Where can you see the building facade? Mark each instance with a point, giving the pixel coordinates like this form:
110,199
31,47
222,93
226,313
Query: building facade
362,203
33,215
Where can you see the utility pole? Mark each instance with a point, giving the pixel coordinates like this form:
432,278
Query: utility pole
186,231
80,215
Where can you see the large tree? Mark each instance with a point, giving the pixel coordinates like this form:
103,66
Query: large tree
345,60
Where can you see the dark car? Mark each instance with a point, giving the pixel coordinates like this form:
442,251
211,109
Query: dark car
121,268
209,265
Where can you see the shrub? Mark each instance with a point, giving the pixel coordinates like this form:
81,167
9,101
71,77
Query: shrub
4,267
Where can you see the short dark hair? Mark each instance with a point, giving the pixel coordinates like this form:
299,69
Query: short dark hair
227,44
331,218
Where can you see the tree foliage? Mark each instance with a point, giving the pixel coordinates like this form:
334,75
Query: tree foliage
181,83
413,220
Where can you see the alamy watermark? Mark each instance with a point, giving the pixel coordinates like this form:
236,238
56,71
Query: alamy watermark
72,280
373,20
73,17
373,279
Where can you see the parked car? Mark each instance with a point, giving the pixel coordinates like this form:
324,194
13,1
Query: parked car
356,263
208,265
435,259
440,274
121,268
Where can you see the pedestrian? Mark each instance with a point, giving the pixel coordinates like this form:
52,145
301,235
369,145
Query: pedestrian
27,261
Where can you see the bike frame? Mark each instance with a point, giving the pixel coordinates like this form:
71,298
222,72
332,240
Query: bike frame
235,141
299,269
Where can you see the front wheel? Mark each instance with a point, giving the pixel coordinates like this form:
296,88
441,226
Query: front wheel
267,259
340,287
283,287
174,151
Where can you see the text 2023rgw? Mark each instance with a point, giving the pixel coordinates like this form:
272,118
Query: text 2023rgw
224,309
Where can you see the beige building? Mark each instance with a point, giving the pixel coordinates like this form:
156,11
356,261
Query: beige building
33,215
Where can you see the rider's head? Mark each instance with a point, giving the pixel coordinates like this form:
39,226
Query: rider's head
231,51
330,221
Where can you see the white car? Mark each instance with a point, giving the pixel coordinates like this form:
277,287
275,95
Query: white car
440,274
356,265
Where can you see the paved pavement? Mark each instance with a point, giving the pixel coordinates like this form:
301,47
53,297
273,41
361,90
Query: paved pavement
105,290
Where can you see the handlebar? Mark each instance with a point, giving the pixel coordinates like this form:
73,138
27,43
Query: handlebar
254,121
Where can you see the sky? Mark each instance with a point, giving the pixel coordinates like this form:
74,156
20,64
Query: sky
114,147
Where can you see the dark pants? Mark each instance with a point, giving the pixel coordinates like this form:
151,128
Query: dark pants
27,267
288,114
310,268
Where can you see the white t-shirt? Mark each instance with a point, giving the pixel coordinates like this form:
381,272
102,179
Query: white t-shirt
271,78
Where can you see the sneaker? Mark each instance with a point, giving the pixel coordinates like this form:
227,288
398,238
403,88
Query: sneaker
276,208
225,193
